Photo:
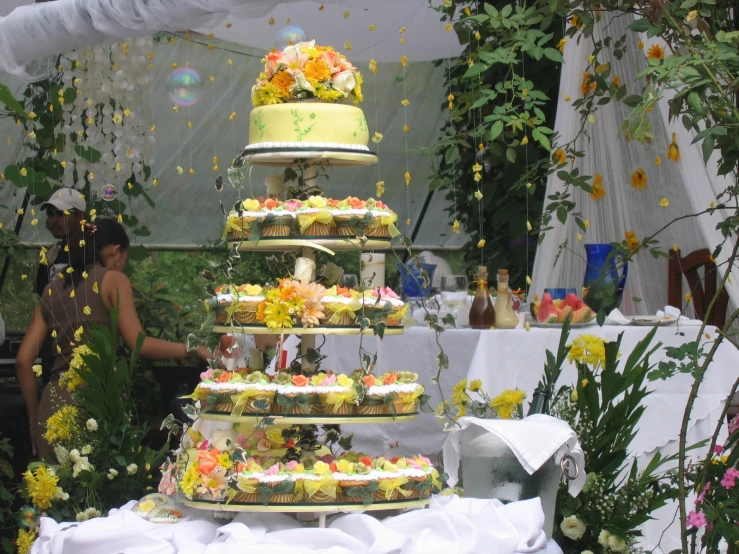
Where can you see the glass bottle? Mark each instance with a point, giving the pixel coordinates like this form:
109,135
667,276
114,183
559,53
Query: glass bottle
540,402
482,312
505,317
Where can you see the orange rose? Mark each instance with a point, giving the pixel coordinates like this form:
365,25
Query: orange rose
224,377
300,380
390,379
240,466
343,291
366,460
333,203
208,460
270,203
332,467
355,202
369,380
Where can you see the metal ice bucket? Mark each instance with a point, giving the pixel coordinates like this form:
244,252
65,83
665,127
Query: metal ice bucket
491,470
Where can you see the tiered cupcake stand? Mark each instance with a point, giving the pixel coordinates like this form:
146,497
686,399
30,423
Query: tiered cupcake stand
309,246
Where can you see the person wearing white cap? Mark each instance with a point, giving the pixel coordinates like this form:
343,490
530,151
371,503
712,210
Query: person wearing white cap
65,210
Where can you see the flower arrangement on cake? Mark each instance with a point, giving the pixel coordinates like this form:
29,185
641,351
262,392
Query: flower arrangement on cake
254,392
233,476
306,303
306,71
315,216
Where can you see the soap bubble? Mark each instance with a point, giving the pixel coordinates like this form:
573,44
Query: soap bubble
288,35
219,183
183,85
109,193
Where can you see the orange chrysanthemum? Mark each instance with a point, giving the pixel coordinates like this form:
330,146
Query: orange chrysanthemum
598,190
316,71
587,86
631,240
656,52
283,81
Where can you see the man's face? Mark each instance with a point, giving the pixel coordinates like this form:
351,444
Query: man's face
62,225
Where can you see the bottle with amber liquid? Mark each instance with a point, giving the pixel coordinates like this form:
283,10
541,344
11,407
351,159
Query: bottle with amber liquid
482,312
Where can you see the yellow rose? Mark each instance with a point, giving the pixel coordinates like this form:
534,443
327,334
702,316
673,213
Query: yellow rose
274,436
316,202
253,290
250,205
300,468
402,463
344,381
390,467
345,466
255,467
321,468
317,379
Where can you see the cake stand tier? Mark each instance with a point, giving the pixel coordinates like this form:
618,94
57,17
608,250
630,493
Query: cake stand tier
328,245
337,157
310,419
298,330
307,507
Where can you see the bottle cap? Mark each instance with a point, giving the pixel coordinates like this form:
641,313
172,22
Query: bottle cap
503,272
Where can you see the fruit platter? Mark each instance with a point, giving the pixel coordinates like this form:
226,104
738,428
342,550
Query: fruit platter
553,313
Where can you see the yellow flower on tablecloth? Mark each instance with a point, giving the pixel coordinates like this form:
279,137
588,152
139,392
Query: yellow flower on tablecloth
598,190
373,66
617,81
407,178
688,297
481,243
639,179
656,52
658,161
673,152
478,194
380,188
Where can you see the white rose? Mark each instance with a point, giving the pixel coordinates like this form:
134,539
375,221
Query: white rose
80,465
303,83
345,81
132,469
82,516
86,450
74,455
603,538
92,425
61,495
572,528
617,544
112,473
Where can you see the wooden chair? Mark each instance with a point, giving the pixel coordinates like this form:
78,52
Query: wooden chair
702,289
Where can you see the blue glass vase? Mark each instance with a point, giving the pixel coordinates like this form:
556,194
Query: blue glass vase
416,285
603,287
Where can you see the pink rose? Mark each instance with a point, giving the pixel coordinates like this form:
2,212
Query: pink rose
241,439
203,445
205,375
292,464
696,519
718,449
329,380
388,294
274,470
259,435
293,205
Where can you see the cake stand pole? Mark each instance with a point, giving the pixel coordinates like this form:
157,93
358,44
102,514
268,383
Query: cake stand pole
308,342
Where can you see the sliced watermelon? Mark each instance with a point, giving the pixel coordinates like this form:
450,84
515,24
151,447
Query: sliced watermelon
583,315
547,312
573,301
564,313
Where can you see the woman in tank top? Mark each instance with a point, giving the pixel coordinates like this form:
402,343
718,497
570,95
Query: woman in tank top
69,306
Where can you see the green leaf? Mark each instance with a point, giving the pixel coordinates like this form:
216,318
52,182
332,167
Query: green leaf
7,98
510,155
708,144
475,69
496,130
554,55
89,154
451,155
633,100
640,25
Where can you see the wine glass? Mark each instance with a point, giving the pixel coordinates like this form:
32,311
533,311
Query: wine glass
349,281
454,292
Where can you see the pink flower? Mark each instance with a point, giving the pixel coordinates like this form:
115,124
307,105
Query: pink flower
729,479
696,519
203,445
274,470
718,449
208,374
264,445
241,439
259,435
329,380
292,464
388,294
328,458
702,495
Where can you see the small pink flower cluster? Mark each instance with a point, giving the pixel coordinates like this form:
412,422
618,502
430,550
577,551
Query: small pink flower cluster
385,293
696,519
729,479
702,495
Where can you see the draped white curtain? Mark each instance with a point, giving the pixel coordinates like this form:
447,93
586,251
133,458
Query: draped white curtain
690,186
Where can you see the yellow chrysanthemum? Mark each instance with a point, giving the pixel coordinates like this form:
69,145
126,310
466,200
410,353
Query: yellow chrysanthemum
459,393
656,52
505,403
588,349
25,541
328,94
276,316
475,385
190,480
42,486
266,95
62,425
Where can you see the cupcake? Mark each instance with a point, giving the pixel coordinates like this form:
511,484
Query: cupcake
314,218
247,482
354,480
371,404
248,298
294,396
350,216
255,396
418,472
224,298
319,484
278,221
252,211
383,220
340,306
340,396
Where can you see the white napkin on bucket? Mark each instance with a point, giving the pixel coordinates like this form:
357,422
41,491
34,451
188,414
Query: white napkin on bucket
534,440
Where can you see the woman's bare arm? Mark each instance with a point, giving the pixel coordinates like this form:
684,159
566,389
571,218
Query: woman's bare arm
29,351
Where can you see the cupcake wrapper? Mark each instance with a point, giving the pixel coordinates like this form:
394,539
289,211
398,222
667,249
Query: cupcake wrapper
379,496
250,408
246,312
224,407
321,498
370,406
319,229
345,230
221,317
345,409
381,231
247,498
346,319
401,408
275,230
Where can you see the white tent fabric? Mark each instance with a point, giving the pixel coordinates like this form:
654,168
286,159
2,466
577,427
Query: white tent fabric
35,31
192,198
689,185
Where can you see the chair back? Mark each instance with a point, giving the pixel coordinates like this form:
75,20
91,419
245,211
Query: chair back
702,289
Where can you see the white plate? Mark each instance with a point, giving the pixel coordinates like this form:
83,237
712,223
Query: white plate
559,325
651,320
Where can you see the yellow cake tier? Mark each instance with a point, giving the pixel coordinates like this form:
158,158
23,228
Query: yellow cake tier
308,125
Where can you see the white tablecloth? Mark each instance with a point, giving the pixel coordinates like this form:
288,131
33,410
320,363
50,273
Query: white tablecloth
515,358
451,525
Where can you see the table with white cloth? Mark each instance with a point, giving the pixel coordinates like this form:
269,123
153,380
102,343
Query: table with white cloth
504,359
449,525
